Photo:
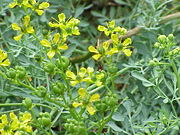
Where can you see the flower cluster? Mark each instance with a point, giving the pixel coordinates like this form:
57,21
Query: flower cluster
24,29
4,61
85,75
15,125
164,42
167,44
67,27
86,100
56,44
111,29
175,51
32,4
117,45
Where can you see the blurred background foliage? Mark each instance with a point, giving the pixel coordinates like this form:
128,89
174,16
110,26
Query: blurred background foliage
142,110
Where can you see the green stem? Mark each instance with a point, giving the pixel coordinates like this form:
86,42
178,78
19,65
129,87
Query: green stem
176,74
10,104
107,119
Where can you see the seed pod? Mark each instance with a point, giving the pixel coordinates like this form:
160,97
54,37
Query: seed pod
27,103
49,67
112,69
21,72
11,73
41,91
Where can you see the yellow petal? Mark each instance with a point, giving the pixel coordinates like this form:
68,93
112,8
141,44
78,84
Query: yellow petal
92,49
39,12
13,4
13,116
94,97
102,28
127,41
45,43
30,29
90,70
15,27
56,38
18,37
127,52
73,83
98,83
88,79
51,54
26,117
82,92
5,63
33,2
4,119
82,72
105,46
99,76
96,56
26,4
75,31
117,29
90,109
43,5
28,129
111,24
61,17
70,75
114,38
76,104
3,55
51,24
112,51
63,47
26,20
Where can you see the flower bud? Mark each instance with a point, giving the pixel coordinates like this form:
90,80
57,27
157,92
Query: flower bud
21,72
171,37
11,73
41,91
49,67
162,38
27,103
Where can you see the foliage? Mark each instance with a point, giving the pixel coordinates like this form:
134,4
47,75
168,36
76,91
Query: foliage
71,67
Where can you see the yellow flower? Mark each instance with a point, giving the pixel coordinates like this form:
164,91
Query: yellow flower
85,75
55,45
82,76
19,3
87,100
35,6
38,8
3,59
117,45
100,51
68,27
127,52
26,28
14,124
111,29
126,42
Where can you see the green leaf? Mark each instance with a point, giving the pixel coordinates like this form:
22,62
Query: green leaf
128,105
79,11
117,116
114,126
139,76
166,100
121,2
95,13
